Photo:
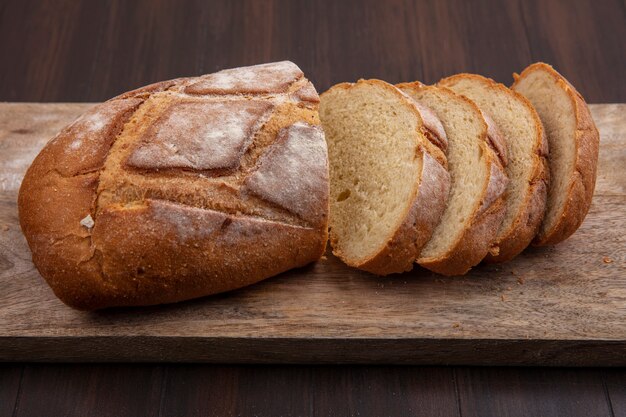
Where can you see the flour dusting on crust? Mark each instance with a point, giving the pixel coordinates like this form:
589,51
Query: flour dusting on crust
87,140
433,124
87,221
89,126
495,138
293,172
188,222
307,93
275,77
200,135
191,224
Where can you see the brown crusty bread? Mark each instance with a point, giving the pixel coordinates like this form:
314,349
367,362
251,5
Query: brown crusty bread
527,150
388,181
181,189
574,141
476,160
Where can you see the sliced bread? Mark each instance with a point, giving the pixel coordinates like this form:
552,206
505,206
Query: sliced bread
574,141
389,182
476,159
527,168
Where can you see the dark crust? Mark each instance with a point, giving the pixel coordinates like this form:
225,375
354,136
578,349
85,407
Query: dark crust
130,257
583,180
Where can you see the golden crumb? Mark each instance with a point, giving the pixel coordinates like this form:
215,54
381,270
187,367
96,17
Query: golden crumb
607,260
520,280
503,297
456,325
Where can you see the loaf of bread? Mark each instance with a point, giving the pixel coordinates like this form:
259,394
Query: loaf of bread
527,169
476,161
196,186
389,183
181,189
574,141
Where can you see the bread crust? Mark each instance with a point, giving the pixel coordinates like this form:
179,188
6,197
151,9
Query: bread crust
400,251
583,177
531,211
146,250
476,240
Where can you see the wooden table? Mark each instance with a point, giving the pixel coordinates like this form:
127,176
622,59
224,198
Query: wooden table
89,51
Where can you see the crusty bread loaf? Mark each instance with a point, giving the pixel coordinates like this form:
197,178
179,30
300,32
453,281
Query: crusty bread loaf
476,159
388,179
574,141
181,189
527,169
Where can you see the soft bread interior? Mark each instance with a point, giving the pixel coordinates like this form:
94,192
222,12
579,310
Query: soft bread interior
374,165
518,126
469,173
557,112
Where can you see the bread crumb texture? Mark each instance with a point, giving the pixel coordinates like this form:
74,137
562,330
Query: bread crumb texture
526,165
388,181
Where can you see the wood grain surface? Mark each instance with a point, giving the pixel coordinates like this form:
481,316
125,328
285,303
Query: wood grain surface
84,50
227,390
87,50
562,305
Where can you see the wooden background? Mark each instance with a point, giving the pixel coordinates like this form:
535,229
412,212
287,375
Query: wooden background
61,50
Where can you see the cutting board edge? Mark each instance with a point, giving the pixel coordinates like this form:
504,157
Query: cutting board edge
243,350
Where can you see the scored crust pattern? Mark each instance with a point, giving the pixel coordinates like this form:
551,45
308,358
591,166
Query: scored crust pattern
200,135
242,148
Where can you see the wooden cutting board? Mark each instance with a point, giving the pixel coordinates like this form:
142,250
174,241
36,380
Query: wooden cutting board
562,305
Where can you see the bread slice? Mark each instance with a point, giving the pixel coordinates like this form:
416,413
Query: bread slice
527,150
476,160
388,184
574,141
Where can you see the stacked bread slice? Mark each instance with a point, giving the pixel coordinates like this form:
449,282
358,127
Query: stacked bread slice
452,174
389,183
476,202
527,170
